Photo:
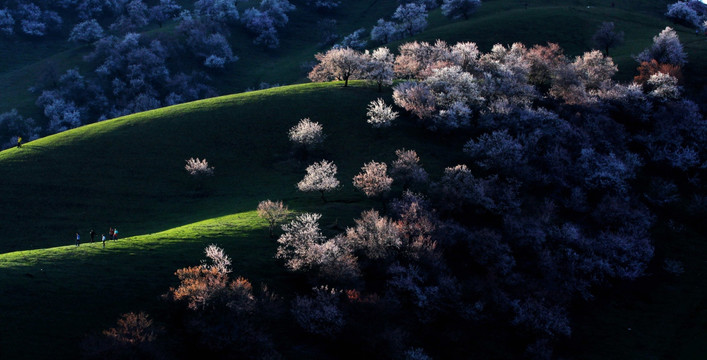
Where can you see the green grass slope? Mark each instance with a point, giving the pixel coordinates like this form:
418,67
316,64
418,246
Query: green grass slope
51,298
129,173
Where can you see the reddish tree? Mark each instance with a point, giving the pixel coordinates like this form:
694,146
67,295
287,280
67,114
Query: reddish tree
648,68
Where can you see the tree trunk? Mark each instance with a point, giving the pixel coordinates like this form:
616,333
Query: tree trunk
380,86
346,81
323,199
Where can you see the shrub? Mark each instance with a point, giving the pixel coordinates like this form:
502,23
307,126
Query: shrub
199,168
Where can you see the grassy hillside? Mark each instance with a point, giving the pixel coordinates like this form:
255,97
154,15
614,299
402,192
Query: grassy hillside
129,173
52,298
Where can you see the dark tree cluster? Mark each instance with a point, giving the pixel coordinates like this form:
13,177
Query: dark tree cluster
266,19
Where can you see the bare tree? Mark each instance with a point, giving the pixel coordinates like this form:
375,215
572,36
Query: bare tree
321,176
274,212
606,37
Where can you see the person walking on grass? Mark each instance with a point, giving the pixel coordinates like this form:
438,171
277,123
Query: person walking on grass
19,142
115,234
78,239
110,234
103,239
92,234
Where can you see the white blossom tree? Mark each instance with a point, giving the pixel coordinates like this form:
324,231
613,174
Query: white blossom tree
165,10
682,12
307,134
353,40
380,115
377,236
321,176
663,86
31,20
277,10
339,64
456,9
86,32
465,55
595,69
373,180
273,212
136,16
299,239
385,31
217,259
326,4
416,98
7,22
411,18
379,67
666,49
260,23
221,11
